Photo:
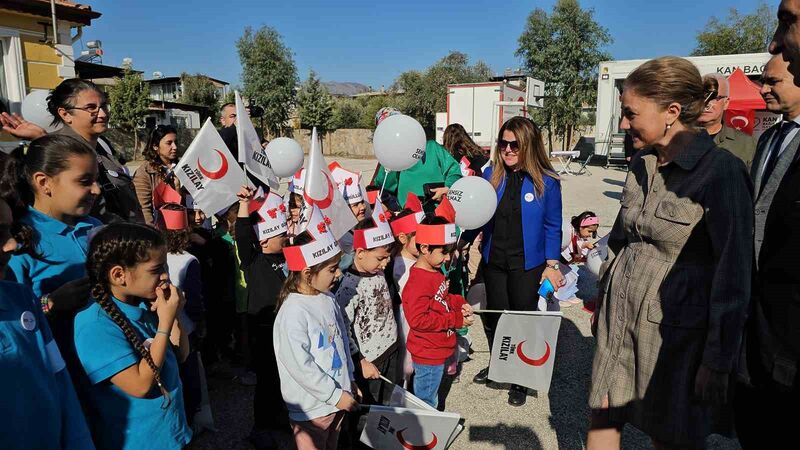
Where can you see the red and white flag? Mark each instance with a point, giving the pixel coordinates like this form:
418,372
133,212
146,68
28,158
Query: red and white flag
250,151
410,428
209,171
321,190
524,348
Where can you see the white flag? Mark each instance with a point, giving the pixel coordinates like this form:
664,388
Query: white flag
209,171
524,348
321,190
403,428
250,151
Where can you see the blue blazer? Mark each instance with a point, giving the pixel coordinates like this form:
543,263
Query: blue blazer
541,221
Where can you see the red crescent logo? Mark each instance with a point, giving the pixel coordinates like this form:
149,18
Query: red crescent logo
217,174
416,447
323,203
533,362
742,119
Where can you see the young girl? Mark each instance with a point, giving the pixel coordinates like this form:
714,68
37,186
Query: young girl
130,344
36,388
260,237
584,228
311,342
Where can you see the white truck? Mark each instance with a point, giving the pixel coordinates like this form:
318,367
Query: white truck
608,136
482,108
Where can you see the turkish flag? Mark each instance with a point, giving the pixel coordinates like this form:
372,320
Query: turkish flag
741,119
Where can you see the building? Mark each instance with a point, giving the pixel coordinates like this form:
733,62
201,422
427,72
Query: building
170,88
31,57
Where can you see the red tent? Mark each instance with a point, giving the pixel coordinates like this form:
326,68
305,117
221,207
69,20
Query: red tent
744,101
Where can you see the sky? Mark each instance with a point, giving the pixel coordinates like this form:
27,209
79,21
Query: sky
373,42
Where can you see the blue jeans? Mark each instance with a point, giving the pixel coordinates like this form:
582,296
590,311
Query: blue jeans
426,382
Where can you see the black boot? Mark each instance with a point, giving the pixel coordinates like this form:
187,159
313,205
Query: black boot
517,395
482,377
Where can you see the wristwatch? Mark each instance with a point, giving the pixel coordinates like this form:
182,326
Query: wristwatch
554,266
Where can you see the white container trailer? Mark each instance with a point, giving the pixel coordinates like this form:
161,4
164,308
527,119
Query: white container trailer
475,106
608,136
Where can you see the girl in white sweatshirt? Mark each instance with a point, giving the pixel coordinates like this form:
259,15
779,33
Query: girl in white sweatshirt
311,343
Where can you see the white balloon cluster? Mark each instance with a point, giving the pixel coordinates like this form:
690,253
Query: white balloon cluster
34,110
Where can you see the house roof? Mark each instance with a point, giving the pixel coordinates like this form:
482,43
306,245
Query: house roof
65,10
176,79
90,71
158,105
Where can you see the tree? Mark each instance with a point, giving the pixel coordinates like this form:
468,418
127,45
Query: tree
426,92
268,74
347,113
564,49
130,102
315,105
199,90
748,33
372,104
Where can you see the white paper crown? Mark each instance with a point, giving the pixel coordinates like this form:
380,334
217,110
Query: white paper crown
349,183
380,234
271,216
298,181
322,248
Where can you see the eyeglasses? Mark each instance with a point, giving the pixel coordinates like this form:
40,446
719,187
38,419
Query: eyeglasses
91,108
507,146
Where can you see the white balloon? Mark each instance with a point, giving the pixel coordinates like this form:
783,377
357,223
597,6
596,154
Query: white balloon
34,109
399,142
474,200
285,156
597,255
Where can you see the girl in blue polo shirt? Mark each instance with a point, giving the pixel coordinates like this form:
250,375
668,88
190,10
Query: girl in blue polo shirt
130,342
39,402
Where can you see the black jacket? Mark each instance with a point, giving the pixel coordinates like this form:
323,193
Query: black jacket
263,273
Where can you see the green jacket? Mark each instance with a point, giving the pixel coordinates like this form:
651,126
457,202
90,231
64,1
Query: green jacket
738,143
437,166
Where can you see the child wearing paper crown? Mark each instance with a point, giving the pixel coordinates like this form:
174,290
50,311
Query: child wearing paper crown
432,312
261,230
366,303
349,185
584,228
311,340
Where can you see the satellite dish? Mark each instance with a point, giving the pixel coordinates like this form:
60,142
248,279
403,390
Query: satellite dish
157,75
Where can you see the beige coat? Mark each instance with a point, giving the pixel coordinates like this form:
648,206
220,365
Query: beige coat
676,289
145,180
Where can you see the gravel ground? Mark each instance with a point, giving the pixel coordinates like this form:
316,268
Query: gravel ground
554,420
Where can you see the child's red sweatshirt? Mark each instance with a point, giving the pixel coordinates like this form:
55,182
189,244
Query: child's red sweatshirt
433,316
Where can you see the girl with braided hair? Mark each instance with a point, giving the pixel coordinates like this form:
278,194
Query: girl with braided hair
130,342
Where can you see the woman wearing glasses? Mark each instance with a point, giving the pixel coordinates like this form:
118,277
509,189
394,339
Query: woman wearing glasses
82,108
522,243
161,155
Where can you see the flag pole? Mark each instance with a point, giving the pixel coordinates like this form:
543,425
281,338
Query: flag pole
530,313
383,185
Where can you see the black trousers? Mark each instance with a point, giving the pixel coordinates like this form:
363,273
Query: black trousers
269,410
509,289
766,415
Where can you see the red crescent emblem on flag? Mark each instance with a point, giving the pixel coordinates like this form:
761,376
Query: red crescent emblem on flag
416,447
534,362
325,202
741,119
217,174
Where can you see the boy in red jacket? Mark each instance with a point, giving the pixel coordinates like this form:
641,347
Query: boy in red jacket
433,314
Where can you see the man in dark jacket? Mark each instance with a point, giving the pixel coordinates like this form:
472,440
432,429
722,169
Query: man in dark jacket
717,90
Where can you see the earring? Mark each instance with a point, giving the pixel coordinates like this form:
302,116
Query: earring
669,126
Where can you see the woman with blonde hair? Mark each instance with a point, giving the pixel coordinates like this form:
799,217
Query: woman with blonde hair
676,284
522,243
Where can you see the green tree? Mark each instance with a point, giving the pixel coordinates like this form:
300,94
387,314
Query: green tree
738,33
372,104
564,49
269,75
315,105
347,113
130,101
426,92
199,90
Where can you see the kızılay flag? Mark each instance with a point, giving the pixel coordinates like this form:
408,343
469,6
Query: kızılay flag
209,171
250,151
524,348
393,428
321,190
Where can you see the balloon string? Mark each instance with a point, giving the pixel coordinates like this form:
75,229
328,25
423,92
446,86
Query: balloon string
385,177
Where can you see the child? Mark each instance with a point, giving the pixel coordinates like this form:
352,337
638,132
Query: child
366,302
584,227
404,227
125,340
260,237
432,312
311,341
295,201
349,185
36,388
